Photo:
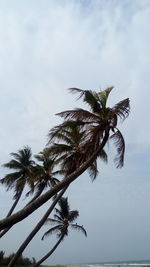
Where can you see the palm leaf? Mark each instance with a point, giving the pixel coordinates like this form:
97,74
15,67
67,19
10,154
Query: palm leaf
53,230
119,142
79,114
93,171
79,228
122,109
103,96
52,221
73,215
77,90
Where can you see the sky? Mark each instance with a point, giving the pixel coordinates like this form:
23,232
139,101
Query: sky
45,48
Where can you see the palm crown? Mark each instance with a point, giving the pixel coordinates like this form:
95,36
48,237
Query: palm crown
43,174
100,119
22,165
70,149
63,219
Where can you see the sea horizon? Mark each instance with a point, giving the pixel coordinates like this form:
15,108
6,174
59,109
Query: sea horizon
119,263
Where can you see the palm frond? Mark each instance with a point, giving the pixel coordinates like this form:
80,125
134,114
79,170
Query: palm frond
79,114
53,230
64,206
79,228
93,171
77,90
122,109
52,221
13,164
73,215
119,142
61,128
103,96
103,156
91,99
57,217
10,179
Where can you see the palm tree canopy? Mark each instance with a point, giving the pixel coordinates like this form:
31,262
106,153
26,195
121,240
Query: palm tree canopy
72,152
99,118
22,165
43,173
63,219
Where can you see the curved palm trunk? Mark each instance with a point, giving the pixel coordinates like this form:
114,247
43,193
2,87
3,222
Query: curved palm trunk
14,205
20,215
10,212
35,197
50,252
36,229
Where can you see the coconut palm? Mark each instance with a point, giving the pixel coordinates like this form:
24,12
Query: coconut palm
100,119
70,152
99,123
63,220
36,229
22,165
43,174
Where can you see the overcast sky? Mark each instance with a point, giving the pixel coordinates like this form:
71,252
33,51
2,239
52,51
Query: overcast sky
46,47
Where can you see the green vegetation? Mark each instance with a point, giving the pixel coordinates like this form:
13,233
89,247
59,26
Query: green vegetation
21,261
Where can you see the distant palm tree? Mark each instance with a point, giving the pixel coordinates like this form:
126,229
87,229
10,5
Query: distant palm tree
22,165
63,219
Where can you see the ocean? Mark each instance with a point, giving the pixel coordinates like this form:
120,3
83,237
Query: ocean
144,263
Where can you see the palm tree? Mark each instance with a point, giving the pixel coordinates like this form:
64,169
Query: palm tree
36,228
43,174
100,119
98,124
70,153
22,164
63,219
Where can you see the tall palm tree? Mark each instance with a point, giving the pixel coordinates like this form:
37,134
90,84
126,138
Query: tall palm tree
63,219
99,124
22,164
70,148
100,119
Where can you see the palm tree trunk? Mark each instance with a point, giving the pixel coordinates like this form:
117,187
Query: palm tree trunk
22,214
50,252
14,205
36,229
35,197
9,213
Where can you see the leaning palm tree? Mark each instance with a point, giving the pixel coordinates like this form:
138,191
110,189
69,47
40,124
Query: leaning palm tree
22,165
63,219
43,174
100,120
69,149
100,124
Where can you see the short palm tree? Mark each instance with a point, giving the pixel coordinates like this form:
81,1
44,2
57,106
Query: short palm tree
22,165
63,219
